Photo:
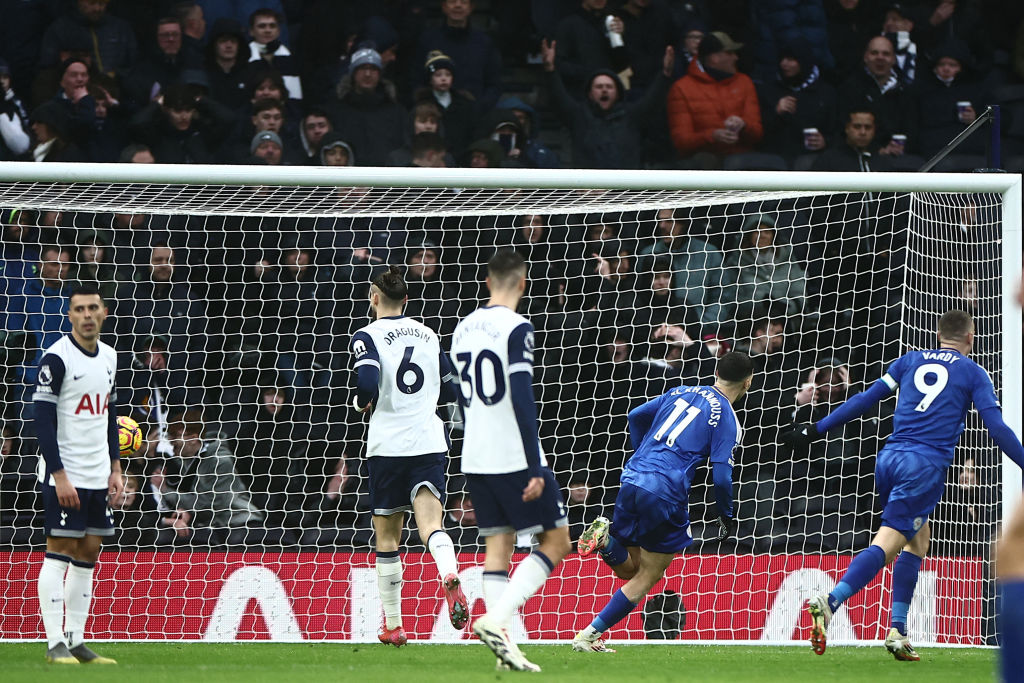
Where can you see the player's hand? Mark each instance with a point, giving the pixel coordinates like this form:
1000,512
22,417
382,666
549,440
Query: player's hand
726,528
533,489
67,496
800,436
115,486
368,408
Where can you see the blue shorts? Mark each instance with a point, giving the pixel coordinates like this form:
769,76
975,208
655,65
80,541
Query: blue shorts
910,479
394,482
642,519
92,517
498,503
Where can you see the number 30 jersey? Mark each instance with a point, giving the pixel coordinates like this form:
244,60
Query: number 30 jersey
404,421
935,390
488,347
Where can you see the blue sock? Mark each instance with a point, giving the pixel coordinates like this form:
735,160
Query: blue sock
617,609
613,553
1011,628
861,571
904,579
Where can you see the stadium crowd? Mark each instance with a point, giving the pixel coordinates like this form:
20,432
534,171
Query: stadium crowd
232,329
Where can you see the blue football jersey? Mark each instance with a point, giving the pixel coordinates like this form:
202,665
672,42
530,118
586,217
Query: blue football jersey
935,390
690,425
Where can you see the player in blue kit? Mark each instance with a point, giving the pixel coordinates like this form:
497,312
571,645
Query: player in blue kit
402,374
671,435
79,467
936,389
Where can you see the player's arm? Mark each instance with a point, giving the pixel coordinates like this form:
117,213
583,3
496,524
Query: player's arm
520,379
449,388
49,381
115,483
367,368
987,405
723,441
640,420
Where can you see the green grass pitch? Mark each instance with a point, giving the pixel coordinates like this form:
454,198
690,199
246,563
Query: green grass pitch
370,663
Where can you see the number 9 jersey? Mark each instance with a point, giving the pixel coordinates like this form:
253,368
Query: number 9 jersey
936,389
407,353
488,347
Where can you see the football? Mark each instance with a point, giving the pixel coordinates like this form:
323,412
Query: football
129,436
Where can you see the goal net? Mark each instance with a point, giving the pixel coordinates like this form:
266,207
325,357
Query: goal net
233,295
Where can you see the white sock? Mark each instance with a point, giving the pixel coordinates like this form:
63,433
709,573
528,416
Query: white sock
51,596
527,579
389,583
77,596
443,550
495,584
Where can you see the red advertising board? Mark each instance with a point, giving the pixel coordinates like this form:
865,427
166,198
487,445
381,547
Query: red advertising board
332,596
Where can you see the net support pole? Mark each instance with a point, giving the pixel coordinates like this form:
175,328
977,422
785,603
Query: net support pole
1013,376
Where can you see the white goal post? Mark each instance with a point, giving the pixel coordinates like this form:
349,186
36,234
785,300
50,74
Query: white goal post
931,241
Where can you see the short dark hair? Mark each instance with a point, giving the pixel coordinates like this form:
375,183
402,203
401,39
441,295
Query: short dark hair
266,103
860,109
85,290
505,267
391,284
955,325
427,142
47,248
264,12
734,367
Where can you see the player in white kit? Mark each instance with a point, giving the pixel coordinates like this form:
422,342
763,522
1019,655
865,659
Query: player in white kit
79,471
401,375
512,489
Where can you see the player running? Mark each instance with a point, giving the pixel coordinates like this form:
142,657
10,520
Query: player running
401,374
509,482
79,467
936,389
671,435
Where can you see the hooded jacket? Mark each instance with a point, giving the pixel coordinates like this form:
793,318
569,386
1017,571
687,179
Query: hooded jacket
612,138
372,123
698,105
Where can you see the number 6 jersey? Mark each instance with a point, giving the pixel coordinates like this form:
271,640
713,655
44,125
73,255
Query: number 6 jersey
404,421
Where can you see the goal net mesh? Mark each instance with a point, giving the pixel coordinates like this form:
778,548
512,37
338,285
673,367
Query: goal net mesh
232,307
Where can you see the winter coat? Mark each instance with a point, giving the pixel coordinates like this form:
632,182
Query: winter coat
612,138
192,146
778,22
842,157
113,40
815,108
208,486
372,123
894,109
698,105
698,277
937,118
765,276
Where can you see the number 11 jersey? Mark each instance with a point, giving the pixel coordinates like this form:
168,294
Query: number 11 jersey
404,421
936,389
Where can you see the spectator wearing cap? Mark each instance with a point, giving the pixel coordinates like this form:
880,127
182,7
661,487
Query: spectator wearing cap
502,126
948,99
226,65
267,145
798,107
49,124
334,151
879,88
606,131
268,114
164,63
459,110
766,275
181,128
585,43
473,50
484,153
713,110
113,46
535,153
268,52
897,26
777,23
367,113
14,139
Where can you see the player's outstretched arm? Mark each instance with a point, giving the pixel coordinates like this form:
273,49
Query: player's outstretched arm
640,420
1001,433
723,442
800,436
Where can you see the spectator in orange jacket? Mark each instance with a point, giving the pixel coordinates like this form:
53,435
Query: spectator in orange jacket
713,110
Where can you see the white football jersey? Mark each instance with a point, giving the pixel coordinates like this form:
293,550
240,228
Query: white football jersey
82,386
488,346
404,421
